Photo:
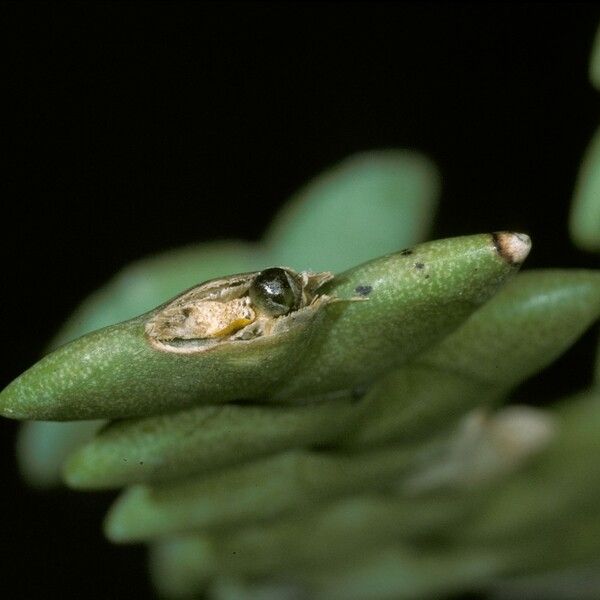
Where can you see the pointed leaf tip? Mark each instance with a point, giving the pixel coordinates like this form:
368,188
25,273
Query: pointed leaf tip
358,325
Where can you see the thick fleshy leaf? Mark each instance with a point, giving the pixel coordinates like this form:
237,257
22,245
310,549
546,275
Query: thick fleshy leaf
368,205
425,296
569,542
201,439
579,583
178,569
549,498
525,327
206,438
482,449
338,533
256,491
533,319
228,588
395,572
402,574
597,368
388,310
395,188
478,454
544,305
584,221
499,444
43,446
341,534
557,304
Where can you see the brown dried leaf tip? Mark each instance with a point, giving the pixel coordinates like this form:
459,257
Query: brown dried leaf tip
236,308
512,247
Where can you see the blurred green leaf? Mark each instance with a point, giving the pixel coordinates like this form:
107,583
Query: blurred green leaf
368,205
493,447
597,369
338,532
43,446
580,583
584,221
551,501
400,573
256,491
523,329
297,480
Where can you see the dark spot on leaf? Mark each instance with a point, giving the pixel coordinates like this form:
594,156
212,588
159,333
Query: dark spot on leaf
419,265
141,462
406,252
363,290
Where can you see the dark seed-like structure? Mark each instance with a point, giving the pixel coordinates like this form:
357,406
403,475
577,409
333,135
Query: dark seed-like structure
276,292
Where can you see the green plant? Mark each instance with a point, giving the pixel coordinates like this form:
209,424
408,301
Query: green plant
356,446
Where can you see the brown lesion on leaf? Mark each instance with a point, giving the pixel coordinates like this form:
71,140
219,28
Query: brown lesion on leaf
222,311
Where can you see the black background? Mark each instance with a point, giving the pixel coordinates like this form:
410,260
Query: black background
131,128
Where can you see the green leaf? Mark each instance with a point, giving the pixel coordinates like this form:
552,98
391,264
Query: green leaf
260,490
597,369
414,299
530,322
476,455
290,482
523,329
338,533
396,190
42,447
201,439
392,572
181,570
547,517
402,573
482,449
584,220
368,205
564,543
564,584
